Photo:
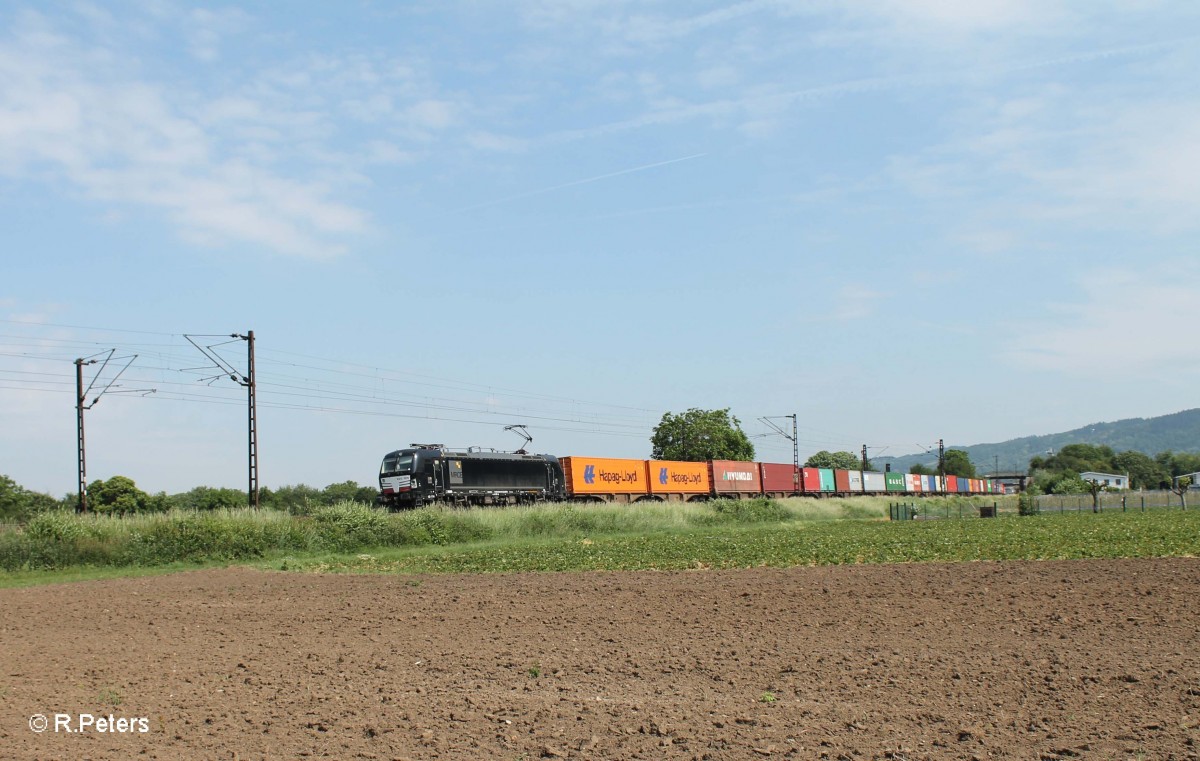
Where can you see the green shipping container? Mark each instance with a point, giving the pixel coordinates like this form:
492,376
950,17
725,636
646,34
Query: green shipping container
895,481
827,480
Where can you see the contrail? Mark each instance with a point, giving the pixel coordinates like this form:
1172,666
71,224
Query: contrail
572,184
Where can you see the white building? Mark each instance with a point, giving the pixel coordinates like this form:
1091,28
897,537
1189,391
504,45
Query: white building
1195,480
1111,480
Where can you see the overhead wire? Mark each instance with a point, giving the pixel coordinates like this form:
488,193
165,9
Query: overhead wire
327,381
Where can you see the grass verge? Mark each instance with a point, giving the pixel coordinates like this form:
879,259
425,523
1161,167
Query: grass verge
718,534
56,541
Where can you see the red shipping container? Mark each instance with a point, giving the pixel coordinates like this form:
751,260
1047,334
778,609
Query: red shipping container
779,478
734,477
951,483
811,478
841,481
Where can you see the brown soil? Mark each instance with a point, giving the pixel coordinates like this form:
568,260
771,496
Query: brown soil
1051,660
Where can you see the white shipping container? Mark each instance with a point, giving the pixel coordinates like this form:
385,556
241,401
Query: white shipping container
874,482
856,482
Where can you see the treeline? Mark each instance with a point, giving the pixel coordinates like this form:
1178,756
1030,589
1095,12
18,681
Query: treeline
1059,473
955,463
119,495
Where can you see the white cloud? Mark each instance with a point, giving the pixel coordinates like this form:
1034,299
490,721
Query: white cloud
432,114
955,16
490,141
1126,324
1139,166
206,29
855,302
70,112
1087,156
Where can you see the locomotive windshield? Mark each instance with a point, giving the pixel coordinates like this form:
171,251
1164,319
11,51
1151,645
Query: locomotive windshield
396,463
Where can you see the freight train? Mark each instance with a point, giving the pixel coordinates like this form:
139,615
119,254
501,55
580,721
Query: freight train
424,474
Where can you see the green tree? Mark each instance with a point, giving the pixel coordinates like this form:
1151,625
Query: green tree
698,435
835,460
1070,483
1077,458
958,463
1178,463
922,470
298,500
349,491
209,498
119,495
1094,487
1144,472
18,504
1181,487
13,506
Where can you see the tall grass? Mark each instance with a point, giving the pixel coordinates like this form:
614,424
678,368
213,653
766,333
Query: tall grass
61,540
64,540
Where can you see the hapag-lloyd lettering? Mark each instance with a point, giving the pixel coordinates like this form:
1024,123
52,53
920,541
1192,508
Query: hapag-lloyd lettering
618,476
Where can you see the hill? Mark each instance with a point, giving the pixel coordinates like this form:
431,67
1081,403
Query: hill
1178,432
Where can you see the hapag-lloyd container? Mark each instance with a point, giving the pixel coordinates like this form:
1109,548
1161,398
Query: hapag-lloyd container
601,475
670,477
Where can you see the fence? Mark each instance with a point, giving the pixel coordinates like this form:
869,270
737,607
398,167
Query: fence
1123,501
908,511
1046,503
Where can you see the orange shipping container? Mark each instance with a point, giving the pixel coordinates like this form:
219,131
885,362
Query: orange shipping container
667,477
599,475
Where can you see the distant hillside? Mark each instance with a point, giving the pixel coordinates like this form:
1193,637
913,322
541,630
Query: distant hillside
1179,432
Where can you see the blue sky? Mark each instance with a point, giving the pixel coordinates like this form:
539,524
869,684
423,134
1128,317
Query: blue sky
902,220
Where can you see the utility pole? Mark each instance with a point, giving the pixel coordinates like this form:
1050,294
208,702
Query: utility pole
80,406
942,464
81,505
252,426
795,456
246,380
864,462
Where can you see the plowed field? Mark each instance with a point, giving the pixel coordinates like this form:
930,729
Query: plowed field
1049,660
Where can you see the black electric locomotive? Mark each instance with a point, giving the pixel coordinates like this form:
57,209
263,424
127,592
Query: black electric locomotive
426,473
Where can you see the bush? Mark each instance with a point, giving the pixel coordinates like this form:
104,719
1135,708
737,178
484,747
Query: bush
349,525
55,527
1027,504
757,510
